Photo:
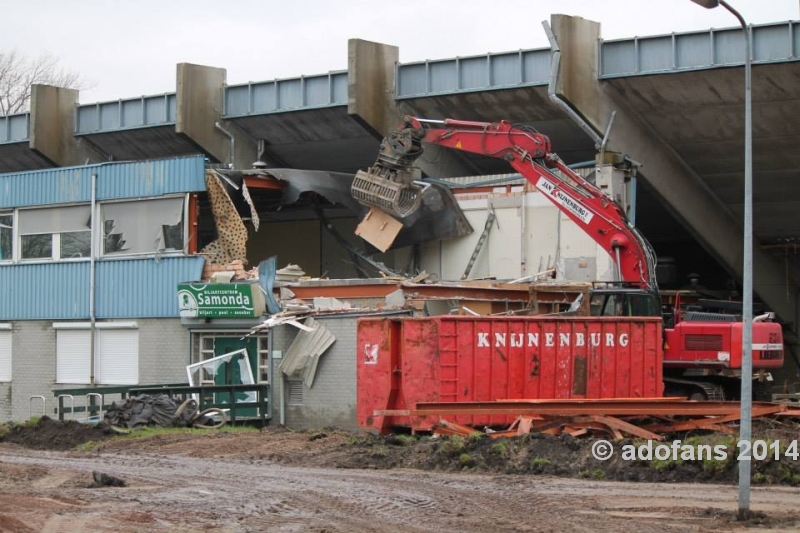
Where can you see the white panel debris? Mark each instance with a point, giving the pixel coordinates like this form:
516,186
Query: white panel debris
301,359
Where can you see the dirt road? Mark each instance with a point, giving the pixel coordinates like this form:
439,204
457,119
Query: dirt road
167,492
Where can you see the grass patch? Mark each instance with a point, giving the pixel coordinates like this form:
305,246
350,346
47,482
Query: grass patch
596,474
500,448
466,459
453,445
150,432
540,462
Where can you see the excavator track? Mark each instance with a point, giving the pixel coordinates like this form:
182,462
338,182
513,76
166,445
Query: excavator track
712,391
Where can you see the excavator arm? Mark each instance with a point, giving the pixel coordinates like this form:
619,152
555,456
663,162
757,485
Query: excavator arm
393,183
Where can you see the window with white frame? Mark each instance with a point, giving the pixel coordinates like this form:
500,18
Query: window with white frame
6,236
143,226
5,353
55,232
116,348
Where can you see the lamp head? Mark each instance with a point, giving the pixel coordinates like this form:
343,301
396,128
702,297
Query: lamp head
708,4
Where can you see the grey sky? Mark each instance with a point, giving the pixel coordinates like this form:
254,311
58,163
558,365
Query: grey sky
127,49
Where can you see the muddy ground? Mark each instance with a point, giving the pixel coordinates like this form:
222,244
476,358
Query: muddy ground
332,481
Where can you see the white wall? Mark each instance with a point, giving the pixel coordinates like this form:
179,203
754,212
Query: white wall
550,239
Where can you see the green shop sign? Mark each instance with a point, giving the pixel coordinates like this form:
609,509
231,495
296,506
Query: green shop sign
220,300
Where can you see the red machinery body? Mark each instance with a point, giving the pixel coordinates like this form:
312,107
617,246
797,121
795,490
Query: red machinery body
706,344
404,361
719,345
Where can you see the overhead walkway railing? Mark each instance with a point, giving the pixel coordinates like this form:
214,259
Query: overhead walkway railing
715,48
15,128
522,68
291,94
142,112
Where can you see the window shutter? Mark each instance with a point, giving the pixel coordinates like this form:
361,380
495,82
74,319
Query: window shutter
73,359
5,356
117,356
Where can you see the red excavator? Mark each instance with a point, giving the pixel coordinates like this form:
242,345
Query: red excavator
702,350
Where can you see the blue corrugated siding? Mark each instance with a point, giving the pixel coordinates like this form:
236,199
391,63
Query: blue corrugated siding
44,291
143,288
114,181
125,288
45,187
151,178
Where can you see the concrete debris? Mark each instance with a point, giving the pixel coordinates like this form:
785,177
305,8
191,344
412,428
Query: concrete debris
290,273
330,304
396,299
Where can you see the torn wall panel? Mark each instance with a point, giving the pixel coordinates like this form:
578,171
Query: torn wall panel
231,242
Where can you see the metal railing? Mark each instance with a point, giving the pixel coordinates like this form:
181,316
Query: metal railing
207,396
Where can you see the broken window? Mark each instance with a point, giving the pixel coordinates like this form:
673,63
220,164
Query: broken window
6,236
143,226
55,233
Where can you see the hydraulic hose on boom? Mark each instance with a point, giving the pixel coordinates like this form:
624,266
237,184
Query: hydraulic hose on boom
393,184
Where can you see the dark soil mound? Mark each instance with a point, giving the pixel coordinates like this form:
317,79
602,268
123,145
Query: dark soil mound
49,434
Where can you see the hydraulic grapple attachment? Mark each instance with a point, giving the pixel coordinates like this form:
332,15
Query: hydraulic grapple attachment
392,183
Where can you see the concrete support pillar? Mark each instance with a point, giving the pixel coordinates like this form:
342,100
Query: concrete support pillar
199,101
371,80
52,126
689,198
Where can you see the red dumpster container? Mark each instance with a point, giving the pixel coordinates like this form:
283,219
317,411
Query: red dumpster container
405,361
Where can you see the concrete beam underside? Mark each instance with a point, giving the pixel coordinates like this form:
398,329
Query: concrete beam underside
372,82
696,206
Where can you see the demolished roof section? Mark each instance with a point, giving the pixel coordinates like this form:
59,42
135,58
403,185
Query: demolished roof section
440,217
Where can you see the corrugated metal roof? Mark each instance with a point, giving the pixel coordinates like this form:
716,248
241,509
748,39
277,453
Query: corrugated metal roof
114,181
45,291
143,288
125,288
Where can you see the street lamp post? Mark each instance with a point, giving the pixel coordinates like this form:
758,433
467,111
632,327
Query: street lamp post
745,429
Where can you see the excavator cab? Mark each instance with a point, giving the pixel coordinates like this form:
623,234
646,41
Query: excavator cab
624,302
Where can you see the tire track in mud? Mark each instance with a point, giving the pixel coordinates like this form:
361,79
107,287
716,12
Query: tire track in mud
262,495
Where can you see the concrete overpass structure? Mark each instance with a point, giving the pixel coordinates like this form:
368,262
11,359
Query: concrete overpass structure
678,100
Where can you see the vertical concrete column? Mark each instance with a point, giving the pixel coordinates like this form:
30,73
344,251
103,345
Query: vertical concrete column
371,83
695,205
53,127
199,101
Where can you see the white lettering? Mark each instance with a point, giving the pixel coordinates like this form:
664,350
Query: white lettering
533,339
483,340
595,338
518,340
563,339
499,339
